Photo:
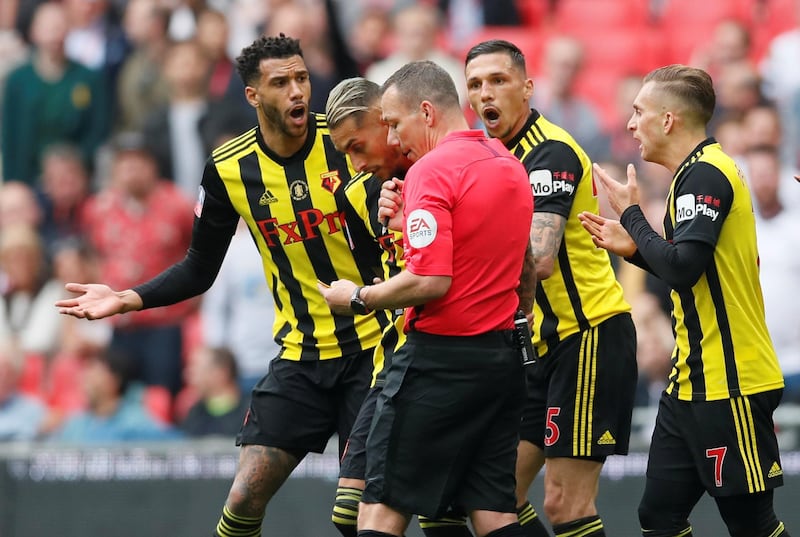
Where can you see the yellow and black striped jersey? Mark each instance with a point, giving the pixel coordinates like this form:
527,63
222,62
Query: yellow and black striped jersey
583,291
722,346
360,191
306,231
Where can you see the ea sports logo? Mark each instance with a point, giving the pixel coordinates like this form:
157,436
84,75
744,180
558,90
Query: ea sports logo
420,228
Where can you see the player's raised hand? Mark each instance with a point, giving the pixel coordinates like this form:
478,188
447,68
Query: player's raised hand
608,234
95,301
391,204
620,195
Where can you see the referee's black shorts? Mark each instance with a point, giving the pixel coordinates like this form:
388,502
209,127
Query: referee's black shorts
446,426
729,446
298,405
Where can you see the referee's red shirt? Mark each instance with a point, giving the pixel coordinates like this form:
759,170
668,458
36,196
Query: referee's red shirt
468,210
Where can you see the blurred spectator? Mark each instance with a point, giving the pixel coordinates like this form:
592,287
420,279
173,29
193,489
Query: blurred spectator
655,343
19,205
50,99
183,18
140,225
27,292
555,96
220,407
415,37
777,225
729,44
212,36
142,86
738,89
96,39
762,127
65,189
172,131
622,146
111,414
325,51
21,416
238,312
367,39
729,131
780,80
467,17
13,52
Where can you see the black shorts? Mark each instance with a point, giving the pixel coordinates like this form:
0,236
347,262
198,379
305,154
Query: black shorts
728,445
354,461
580,394
298,405
446,426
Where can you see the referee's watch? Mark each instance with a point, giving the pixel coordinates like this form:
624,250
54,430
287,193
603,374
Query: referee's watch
357,304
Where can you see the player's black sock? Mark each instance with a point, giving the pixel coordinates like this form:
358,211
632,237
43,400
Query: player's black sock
373,533
590,526
685,532
452,526
530,521
231,525
345,510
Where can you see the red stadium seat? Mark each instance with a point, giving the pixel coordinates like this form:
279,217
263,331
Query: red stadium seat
31,381
600,17
64,390
636,51
534,13
530,42
158,402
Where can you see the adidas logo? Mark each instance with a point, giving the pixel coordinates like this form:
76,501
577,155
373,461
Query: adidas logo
775,470
606,439
267,198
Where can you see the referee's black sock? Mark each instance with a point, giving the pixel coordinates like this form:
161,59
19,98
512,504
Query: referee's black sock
345,510
231,525
529,520
590,526
452,526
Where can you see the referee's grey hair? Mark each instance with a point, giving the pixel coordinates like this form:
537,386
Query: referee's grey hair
352,97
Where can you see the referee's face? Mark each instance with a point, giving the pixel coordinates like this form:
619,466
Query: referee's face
499,93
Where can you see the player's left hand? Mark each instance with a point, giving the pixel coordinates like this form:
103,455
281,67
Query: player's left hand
337,295
620,195
608,234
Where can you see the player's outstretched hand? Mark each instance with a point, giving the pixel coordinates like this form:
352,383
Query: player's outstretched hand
608,234
95,301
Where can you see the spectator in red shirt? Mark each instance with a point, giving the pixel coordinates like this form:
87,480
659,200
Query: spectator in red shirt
140,225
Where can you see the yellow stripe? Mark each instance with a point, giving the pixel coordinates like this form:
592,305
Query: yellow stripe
576,429
592,385
751,429
742,440
778,531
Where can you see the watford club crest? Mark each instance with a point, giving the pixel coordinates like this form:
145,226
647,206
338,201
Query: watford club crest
330,181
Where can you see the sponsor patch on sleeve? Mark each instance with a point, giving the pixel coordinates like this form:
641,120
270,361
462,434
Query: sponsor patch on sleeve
201,198
421,228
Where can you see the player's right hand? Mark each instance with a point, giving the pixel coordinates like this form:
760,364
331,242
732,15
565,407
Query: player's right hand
96,301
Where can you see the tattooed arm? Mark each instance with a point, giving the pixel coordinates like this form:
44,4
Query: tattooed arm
547,231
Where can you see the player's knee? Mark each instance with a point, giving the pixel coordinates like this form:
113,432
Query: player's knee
656,522
345,510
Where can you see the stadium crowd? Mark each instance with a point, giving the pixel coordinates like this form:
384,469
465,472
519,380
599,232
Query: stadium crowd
110,107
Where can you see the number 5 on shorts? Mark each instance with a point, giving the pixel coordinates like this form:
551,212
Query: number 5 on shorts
553,434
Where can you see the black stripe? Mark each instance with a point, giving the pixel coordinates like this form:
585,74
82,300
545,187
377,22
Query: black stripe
572,289
728,352
248,167
549,326
694,354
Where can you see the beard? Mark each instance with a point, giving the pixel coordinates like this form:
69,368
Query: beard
275,119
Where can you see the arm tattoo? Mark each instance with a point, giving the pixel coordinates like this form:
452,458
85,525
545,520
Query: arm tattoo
547,231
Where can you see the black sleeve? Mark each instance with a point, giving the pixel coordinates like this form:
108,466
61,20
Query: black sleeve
214,225
554,171
346,66
679,265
